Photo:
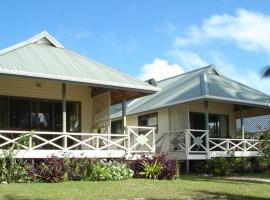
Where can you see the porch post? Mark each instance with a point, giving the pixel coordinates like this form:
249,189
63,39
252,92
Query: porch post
206,115
64,114
242,123
206,118
124,117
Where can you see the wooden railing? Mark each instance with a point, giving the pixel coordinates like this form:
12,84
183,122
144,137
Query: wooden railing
31,144
196,142
141,139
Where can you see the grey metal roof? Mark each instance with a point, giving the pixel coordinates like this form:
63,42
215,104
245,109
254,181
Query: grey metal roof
43,57
203,83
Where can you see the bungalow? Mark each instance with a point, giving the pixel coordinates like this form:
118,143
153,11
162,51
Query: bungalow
201,114
56,102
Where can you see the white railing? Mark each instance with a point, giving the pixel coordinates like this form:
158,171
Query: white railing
47,143
194,142
141,139
230,145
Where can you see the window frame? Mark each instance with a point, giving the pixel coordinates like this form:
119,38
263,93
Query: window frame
214,114
34,103
147,115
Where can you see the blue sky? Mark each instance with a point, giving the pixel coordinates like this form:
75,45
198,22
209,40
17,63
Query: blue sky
152,38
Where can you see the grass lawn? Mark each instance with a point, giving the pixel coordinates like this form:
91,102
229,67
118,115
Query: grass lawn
188,187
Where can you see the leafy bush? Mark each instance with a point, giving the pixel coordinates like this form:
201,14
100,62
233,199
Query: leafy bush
169,168
12,170
77,169
51,170
151,170
217,166
111,170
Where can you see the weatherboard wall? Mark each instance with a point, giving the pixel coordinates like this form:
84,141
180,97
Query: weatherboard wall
45,89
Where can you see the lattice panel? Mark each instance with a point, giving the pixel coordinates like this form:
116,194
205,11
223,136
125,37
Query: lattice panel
179,119
255,121
101,110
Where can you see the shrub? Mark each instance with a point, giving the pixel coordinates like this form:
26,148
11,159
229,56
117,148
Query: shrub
151,170
51,170
217,166
12,170
77,169
111,170
169,168
118,170
137,165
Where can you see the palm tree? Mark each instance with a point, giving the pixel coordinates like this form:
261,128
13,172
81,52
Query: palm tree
266,72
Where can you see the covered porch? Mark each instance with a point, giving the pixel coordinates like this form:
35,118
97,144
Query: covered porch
66,119
213,128
56,102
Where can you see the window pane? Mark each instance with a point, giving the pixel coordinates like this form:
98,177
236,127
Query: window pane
58,116
73,117
150,120
19,114
4,112
44,116
116,127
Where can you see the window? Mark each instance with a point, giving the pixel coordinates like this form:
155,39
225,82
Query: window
19,114
36,114
3,112
150,120
218,124
116,127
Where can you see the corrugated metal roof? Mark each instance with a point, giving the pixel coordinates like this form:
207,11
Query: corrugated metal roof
203,83
35,58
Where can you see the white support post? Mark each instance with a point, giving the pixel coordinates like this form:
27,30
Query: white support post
207,143
154,140
64,117
128,145
124,117
187,140
242,123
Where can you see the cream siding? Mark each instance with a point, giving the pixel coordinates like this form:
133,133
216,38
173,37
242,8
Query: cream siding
44,89
180,113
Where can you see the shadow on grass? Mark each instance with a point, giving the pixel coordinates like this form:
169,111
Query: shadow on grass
204,195
221,180
220,195
16,197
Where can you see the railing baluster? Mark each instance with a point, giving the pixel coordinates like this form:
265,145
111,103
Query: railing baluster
30,142
227,145
187,141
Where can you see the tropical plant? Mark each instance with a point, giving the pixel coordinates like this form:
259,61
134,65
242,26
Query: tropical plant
12,169
51,169
151,170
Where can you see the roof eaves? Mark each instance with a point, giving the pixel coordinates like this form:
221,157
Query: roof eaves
149,89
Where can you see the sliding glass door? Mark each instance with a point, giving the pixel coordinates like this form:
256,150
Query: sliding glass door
218,124
38,114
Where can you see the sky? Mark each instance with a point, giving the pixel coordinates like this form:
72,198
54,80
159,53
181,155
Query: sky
151,38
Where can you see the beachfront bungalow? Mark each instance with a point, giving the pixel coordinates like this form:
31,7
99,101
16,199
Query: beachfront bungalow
58,101
201,114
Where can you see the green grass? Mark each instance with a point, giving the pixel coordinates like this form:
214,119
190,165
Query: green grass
188,187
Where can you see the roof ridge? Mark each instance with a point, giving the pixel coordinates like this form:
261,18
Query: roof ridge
32,40
185,73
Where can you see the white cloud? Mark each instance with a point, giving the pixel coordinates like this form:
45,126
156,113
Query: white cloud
160,69
247,29
188,59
